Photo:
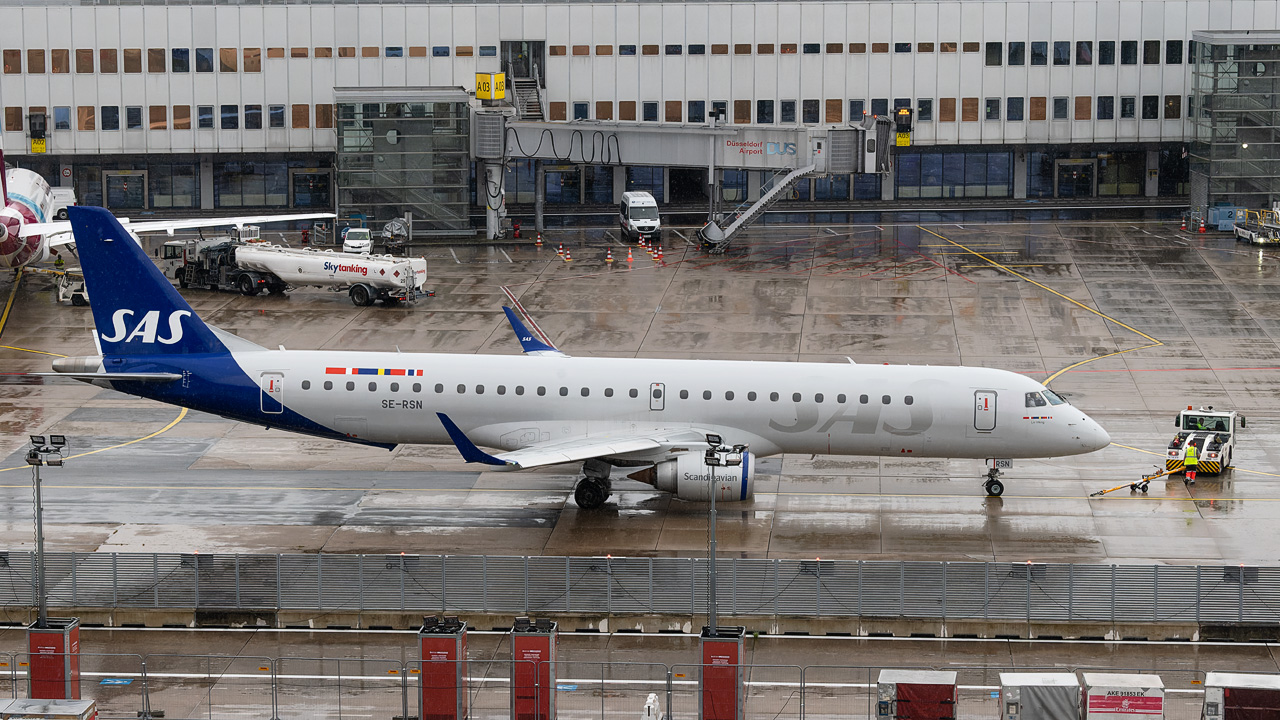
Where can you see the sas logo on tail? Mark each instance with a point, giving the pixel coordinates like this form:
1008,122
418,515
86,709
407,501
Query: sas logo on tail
147,329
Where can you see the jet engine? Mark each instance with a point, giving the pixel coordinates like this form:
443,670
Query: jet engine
689,478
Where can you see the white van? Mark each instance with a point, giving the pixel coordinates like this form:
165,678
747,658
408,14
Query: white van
638,216
63,197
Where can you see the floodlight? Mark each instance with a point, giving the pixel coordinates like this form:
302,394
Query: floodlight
58,440
714,440
37,440
56,462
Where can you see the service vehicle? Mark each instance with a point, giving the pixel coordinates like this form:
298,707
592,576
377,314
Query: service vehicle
241,263
1260,227
63,198
357,240
638,216
1213,432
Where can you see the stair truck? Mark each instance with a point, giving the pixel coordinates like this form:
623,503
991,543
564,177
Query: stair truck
1213,432
252,268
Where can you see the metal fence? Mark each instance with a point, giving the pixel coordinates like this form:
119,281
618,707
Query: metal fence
651,586
177,687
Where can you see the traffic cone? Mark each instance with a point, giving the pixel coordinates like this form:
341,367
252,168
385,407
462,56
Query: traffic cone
640,242
629,258
560,249
1202,225
567,256
538,242
1184,225
659,255
608,255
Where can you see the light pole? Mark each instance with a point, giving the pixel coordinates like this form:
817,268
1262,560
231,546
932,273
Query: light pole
717,455
43,453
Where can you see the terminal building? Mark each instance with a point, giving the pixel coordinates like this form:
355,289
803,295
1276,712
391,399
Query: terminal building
368,108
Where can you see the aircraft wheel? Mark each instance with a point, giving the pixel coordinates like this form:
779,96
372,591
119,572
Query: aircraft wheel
995,488
590,494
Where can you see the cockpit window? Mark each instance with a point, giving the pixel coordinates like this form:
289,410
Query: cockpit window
1034,399
1053,397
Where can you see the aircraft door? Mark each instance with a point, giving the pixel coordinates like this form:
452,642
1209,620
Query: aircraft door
984,410
272,385
657,396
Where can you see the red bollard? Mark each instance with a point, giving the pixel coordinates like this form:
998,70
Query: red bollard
515,229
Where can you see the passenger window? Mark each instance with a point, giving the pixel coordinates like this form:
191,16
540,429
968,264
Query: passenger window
541,391
864,399
817,398
306,384
395,387
328,385
502,389
885,399
608,392
462,389
439,388
417,387
773,397
350,386
751,396
795,397
840,398
479,389
519,389
373,387
564,392
684,394
908,400
1034,399
728,395
706,394
586,392
634,393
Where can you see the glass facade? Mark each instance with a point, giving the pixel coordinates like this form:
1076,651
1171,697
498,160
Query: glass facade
950,174
398,159
1234,156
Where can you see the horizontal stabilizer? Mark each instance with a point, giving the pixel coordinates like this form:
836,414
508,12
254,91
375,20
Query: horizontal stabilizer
170,226
528,341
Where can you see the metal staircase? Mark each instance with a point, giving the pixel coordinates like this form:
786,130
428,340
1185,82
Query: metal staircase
716,239
528,98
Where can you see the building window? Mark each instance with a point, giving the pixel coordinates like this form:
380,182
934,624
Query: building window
1106,52
902,47
250,184
697,49
230,117
1150,52
204,117
880,107
581,111
810,111
697,111
204,60
301,116
946,109
181,60
299,52
228,59
1084,107
60,61
13,62
1084,52
323,52
395,52
252,60
110,117
673,49
626,49
947,47
995,54
35,62
1038,109
1106,107
13,119
924,47
1013,109
133,60
85,119
787,112
1062,53
62,118
1172,107
108,61
275,116
1128,52
1060,108
181,117
324,116
859,48
604,108
155,60
1039,53
157,117
924,110
1017,53
1173,52
1150,107
468,51
84,61
650,112
970,47
968,109
132,118
371,51
345,51
834,48
1128,107
252,117
812,48
764,112
857,109
992,108
488,51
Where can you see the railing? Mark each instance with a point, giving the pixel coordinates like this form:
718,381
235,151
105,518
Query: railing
197,686
595,586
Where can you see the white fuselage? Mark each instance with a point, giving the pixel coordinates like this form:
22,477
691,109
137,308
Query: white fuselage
29,200
510,402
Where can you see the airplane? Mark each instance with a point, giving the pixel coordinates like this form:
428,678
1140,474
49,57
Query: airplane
547,408
30,235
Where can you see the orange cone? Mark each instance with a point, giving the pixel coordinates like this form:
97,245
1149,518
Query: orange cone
567,256
1184,224
1202,225
608,255
659,253
539,240
560,249
629,258
640,242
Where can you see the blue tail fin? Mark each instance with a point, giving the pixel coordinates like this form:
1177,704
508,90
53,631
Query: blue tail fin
136,310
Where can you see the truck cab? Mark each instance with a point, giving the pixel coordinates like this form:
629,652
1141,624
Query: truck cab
1212,432
638,216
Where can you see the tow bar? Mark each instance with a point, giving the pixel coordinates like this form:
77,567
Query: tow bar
1139,486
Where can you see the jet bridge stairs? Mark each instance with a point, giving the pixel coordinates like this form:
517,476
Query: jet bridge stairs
716,239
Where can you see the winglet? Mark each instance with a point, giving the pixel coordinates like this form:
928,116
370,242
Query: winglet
528,341
469,451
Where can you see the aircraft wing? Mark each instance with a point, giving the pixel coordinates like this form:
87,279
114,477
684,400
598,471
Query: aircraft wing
169,226
562,451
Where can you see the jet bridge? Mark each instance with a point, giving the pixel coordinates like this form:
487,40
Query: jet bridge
790,152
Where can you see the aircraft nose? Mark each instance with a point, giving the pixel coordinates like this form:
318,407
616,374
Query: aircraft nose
1096,437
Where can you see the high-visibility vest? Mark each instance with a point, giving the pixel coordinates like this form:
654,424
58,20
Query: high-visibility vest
1191,456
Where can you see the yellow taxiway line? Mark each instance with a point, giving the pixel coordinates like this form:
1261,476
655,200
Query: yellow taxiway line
13,295
164,429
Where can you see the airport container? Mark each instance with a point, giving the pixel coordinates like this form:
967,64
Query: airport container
1112,696
1240,696
36,709
1039,696
916,695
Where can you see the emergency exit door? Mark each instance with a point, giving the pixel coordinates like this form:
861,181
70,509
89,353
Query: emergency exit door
984,410
657,396
272,384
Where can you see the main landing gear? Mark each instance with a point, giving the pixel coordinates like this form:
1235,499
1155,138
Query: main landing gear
993,486
593,490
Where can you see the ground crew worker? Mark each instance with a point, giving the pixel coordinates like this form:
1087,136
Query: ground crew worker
1189,463
59,263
